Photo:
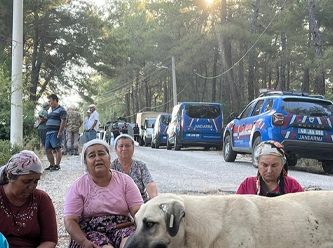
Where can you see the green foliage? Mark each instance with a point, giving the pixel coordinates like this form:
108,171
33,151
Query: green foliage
127,42
7,150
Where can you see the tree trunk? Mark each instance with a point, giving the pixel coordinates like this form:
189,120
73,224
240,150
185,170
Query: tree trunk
228,60
252,55
283,62
214,75
316,36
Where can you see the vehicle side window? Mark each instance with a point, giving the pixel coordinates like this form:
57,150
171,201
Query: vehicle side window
257,108
269,105
247,110
175,113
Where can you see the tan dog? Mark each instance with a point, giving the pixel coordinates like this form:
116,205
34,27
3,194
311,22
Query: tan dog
299,220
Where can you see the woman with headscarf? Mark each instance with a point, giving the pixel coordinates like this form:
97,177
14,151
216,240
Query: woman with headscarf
136,169
272,178
27,214
100,205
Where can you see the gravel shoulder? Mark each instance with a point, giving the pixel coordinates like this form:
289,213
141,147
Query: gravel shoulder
56,184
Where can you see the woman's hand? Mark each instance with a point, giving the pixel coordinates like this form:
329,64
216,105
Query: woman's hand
88,244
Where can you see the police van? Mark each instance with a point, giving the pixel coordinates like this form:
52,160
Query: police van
196,124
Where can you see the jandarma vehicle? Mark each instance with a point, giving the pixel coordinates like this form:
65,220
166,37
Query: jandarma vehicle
159,135
299,121
196,124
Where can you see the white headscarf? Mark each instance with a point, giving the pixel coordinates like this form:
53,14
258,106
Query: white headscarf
91,143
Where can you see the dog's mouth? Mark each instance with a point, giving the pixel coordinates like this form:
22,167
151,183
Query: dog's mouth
160,246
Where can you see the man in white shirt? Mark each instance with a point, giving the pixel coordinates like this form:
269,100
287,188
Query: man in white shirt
93,123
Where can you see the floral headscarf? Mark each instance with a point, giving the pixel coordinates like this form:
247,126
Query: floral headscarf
271,148
23,163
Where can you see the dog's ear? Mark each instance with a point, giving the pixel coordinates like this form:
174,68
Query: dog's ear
174,212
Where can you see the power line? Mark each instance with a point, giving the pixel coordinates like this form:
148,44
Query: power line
246,53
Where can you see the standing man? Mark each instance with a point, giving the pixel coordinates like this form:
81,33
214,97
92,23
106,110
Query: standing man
43,115
74,122
136,132
86,128
93,122
124,129
54,129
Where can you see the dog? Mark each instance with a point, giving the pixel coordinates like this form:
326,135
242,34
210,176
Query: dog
297,220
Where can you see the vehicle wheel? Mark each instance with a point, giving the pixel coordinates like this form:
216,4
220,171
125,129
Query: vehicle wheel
152,144
327,166
177,146
168,146
219,148
256,142
157,144
206,148
228,154
292,159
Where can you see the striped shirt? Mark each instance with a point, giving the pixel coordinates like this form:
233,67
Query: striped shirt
54,119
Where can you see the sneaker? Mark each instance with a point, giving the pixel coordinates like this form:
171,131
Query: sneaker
49,168
55,168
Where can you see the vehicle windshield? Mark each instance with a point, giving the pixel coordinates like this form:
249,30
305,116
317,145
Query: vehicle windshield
203,111
310,108
149,123
165,119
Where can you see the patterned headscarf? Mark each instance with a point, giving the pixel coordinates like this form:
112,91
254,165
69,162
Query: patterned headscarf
23,163
90,143
269,148
274,148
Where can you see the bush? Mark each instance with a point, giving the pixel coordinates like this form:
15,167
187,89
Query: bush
7,150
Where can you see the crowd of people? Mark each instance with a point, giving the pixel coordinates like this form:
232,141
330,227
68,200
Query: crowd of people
100,205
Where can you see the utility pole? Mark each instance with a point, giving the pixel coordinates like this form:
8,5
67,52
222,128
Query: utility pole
174,85
16,108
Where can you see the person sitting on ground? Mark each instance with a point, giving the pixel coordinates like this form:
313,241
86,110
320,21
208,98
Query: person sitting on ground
100,205
124,147
272,178
27,214
3,241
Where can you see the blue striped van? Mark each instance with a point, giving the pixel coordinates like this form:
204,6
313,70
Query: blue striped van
195,124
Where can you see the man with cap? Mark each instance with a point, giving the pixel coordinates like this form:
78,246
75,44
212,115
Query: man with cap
86,128
93,123
43,115
272,178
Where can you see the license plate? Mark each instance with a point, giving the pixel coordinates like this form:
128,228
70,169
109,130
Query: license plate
311,132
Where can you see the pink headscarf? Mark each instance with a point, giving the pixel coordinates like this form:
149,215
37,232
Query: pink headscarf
23,163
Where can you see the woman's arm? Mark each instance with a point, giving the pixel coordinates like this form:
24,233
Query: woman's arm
133,210
151,189
47,244
73,228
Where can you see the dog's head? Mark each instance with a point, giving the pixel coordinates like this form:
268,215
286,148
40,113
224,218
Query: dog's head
159,223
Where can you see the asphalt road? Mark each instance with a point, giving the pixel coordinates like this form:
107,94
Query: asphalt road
199,171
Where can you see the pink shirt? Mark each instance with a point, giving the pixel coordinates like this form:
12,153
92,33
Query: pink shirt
248,186
86,199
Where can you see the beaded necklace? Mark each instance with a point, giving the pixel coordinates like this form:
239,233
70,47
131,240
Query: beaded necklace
19,220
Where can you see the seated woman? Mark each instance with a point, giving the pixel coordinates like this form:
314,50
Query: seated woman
136,169
27,214
3,241
272,178
99,206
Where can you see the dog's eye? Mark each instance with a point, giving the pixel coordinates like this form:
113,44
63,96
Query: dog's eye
149,224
